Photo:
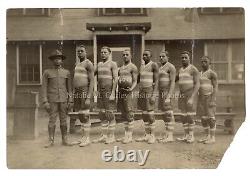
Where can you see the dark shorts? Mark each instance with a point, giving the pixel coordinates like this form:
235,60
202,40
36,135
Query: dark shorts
124,102
144,103
182,102
103,101
203,106
80,96
161,101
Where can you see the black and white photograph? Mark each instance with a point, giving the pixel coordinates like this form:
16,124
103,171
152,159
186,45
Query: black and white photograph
123,88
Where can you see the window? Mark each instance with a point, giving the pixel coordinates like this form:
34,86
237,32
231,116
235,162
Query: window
28,12
29,64
227,59
226,10
122,11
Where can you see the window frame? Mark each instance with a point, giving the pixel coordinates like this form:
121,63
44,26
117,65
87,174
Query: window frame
229,63
102,12
18,66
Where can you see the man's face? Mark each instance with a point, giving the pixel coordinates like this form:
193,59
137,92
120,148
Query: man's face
146,56
81,52
126,56
185,59
163,58
205,63
105,54
57,61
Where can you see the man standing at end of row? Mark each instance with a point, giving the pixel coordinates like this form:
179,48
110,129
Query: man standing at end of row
167,74
147,93
189,84
107,77
206,100
83,84
126,84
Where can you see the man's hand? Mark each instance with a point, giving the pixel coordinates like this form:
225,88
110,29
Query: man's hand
190,102
70,106
112,97
47,106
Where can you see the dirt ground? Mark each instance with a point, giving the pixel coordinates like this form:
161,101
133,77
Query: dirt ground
26,154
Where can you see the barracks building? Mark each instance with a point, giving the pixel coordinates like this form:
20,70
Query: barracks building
216,32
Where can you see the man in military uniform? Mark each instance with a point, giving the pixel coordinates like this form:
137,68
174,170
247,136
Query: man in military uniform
189,84
126,83
57,96
167,74
206,100
148,85
107,77
83,84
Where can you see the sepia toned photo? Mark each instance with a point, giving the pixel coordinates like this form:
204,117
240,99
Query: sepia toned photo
123,88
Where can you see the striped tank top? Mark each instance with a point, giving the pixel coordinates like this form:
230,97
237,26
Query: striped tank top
105,73
186,79
164,76
81,74
125,74
206,87
146,75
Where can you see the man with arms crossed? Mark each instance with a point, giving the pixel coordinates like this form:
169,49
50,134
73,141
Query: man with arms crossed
126,84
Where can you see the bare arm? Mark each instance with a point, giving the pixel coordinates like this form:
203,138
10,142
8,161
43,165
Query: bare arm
172,81
134,77
155,77
214,81
115,77
196,82
91,76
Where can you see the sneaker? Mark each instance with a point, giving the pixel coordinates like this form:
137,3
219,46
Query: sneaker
190,139
209,141
203,139
127,140
120,139
151,139
102,138
167,140
85,142
143,138
183,139
110,140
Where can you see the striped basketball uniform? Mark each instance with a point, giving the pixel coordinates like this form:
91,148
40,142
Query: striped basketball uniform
105,83
186,86
205,92
164,85
146,87
124,103
81,83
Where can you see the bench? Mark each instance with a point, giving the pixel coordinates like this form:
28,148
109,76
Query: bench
223,101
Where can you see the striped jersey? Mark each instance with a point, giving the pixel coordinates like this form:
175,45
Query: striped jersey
104,73
146,75
125,73
206,87
81,73
186,78
164,75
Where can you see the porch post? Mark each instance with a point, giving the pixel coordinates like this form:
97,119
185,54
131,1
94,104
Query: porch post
95,66
142,47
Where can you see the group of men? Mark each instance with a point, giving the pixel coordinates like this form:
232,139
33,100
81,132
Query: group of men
153,81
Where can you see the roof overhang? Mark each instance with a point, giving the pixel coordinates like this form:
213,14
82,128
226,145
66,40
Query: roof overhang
145,27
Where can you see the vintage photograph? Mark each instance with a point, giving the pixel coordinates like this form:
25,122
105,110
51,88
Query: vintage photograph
123,88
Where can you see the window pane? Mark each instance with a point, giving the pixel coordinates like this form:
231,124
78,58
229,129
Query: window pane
221,70
133,11
238,71
238,51
113,11
217,51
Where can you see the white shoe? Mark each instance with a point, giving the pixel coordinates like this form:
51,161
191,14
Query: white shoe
85,142
143,138
102,138
183,139
151,139
110,140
